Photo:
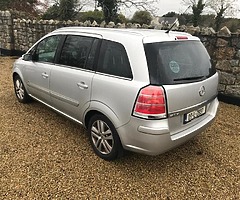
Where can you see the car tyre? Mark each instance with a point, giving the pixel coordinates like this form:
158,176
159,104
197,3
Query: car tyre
20,91
104,138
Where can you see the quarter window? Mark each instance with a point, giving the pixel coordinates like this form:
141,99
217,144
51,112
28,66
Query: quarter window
113,60
75,51
46,49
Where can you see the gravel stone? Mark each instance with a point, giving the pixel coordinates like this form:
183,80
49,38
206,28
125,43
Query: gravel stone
46,156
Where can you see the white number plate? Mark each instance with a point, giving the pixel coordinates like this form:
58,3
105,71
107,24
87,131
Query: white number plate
194,114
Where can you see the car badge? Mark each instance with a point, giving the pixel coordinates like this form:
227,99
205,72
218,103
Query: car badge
202,91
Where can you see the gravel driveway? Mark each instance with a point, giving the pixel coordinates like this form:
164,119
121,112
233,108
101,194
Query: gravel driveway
45,156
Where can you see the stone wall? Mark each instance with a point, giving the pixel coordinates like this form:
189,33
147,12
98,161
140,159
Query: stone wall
18,35
6,34
227,58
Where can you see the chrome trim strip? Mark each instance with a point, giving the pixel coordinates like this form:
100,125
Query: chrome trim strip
64,99
55,95
182,111
153,131
146,116
74,68
62,113
114,76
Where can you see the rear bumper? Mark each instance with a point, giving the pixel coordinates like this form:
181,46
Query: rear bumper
153,137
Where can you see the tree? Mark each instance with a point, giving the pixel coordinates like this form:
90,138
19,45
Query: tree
222,8
197,11
51,13
32,7
170,14
65,9
197,7
142,17
111,7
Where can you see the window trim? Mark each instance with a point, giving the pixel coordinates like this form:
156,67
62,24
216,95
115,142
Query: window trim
114,76
74,68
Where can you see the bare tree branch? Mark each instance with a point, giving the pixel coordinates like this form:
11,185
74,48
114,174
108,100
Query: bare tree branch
140,4
228,7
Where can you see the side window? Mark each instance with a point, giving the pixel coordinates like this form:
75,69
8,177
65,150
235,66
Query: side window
114,60
75,51
47,48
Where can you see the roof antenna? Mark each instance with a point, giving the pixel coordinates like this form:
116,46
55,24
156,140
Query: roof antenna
176,21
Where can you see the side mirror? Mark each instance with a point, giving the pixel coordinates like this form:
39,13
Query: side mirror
27,57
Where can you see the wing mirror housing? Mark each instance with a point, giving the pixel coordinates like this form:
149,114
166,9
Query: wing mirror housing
27,57
30,57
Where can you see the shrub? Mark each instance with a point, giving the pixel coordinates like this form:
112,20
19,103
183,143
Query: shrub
91,15
142,17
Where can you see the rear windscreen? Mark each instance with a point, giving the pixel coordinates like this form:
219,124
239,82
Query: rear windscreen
178,62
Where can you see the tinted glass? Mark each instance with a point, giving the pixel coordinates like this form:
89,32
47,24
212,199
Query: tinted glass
178,62
47,48
113,60
92,55
75,51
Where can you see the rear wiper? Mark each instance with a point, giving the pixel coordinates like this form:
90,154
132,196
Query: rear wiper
189,78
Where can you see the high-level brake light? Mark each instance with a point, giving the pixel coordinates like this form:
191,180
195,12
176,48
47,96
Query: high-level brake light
181,37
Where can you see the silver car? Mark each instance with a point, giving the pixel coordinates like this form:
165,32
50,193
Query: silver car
146,91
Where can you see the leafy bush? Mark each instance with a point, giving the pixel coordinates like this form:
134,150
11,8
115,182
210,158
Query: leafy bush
142,17
121,19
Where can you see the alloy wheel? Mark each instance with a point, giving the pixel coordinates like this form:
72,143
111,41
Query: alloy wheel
19,89
102,137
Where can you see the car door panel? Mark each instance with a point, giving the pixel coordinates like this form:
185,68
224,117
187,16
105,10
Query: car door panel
71,78
37,80
70,90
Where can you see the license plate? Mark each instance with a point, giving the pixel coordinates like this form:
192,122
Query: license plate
194,114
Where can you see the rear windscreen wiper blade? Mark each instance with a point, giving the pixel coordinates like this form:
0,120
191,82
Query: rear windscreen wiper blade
189,78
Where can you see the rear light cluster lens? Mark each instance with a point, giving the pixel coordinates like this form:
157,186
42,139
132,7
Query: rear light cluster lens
150,103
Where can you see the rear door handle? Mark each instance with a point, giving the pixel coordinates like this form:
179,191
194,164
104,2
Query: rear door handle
82,85
44,75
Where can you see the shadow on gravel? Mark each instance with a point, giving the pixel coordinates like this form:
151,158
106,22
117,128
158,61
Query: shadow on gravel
229,100
175,157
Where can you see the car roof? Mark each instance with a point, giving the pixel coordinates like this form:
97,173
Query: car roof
147,35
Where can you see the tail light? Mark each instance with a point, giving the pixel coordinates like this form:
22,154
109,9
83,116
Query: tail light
150,103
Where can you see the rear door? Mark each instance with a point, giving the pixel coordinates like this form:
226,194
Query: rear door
71,78
113,88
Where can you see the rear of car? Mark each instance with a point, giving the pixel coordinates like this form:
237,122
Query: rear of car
181,99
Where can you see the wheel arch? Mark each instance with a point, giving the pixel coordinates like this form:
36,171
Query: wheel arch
89,115
101,109
17,72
